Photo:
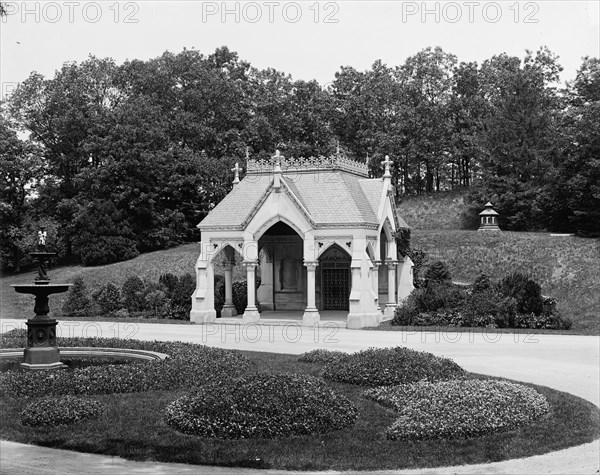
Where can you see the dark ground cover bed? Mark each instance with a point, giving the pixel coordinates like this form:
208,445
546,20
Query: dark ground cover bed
133,426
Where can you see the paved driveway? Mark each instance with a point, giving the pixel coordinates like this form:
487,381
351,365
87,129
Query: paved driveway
566,363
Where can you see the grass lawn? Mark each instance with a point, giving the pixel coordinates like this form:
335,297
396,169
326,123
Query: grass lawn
133,427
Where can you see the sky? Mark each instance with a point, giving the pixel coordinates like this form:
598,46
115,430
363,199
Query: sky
307,39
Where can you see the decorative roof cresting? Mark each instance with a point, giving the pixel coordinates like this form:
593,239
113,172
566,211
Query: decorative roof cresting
334,162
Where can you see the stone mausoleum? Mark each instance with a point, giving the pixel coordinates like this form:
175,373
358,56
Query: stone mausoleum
318,233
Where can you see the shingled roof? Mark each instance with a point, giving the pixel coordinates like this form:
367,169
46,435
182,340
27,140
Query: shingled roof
336,198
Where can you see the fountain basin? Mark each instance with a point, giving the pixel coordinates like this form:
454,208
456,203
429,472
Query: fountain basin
42,288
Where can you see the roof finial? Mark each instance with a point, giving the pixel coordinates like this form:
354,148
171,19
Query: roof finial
386,163
236,171
247,154
337,148
277,170
367,158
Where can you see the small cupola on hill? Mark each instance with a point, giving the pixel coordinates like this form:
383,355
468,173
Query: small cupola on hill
488,219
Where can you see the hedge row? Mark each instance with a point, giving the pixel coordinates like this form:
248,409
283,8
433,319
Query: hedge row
188,366
390,366
261,406
170,297
458,409
514,302
60,411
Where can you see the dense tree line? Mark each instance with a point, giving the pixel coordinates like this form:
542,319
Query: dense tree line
120,159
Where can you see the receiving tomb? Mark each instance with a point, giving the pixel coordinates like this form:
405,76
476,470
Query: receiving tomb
314,235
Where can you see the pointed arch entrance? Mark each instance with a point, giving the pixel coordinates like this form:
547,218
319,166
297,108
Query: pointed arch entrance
282,271
335,279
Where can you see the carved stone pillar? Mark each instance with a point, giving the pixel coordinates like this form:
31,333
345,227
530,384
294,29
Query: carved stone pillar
375,282
391,304
251,314
311,314
228,308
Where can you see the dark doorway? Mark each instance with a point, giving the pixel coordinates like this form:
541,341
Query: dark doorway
335,279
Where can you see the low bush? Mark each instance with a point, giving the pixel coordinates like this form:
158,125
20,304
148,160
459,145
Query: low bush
526,292
107,299
515,302
132,293
240,296
261,406
188,366
60,411
321,356
437,271
390,366
458,409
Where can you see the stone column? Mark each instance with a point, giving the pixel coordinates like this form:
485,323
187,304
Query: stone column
391,305
228,308
311,314
375,281
251,314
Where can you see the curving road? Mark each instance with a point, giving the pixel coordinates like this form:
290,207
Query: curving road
563,362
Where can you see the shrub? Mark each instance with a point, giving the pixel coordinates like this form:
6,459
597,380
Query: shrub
438,295
321,356
219,293
181,297
525,291
260,406
390,366
60,411
240,296
169,282
188,366
78,303
408,310
132,293
418,256
458,409
157,301
481,283
437,271
108,299
480,309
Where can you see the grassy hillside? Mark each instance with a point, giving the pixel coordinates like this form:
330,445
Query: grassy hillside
568,268
433,211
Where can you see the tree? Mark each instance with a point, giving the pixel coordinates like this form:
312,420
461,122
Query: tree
576,184
78,303
21,170
518,137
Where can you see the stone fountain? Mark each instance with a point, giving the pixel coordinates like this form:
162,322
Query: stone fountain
41,351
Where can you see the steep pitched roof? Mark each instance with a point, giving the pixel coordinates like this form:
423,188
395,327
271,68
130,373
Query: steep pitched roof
233,210
333,198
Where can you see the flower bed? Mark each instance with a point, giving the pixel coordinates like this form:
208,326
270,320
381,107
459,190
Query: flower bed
189,365
321,356
60,411
263,405
391,366
458,409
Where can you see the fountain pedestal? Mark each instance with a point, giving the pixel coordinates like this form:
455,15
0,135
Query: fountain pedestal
42,351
